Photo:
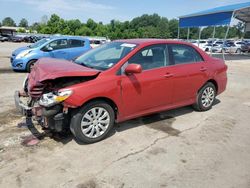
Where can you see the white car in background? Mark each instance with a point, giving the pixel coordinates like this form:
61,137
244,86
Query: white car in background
202,44
97,41
242,46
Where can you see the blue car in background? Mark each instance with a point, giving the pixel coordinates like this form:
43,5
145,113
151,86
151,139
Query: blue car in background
63,47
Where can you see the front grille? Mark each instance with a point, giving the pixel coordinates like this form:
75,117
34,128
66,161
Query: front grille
36,91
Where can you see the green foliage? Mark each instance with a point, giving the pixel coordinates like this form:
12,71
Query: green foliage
21,30
8,21
23,23
145,26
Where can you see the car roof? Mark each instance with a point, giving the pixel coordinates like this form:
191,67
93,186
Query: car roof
150,41
68,37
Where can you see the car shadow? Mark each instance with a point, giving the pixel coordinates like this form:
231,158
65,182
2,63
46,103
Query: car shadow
63,137
159,121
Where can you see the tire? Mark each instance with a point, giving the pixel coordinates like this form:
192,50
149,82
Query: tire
87,127
30,65
205,97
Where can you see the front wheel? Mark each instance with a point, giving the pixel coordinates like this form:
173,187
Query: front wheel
205,97
92,122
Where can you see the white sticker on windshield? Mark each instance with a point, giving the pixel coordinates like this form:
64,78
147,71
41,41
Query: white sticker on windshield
128,45
110,65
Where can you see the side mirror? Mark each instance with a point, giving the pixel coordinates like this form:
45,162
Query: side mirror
133,69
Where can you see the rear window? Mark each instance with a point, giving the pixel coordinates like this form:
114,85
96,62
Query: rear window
95,42
73,43
183,54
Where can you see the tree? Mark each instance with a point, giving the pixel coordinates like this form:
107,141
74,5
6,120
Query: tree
8,21
91,24
21,30
55,25
44,19
84,31
23,23
173,28
74,25
145,26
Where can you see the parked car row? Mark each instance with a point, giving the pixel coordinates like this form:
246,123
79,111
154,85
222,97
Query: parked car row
219,46
22,38
3,39
32,38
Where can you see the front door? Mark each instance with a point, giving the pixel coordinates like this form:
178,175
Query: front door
151,89
59,49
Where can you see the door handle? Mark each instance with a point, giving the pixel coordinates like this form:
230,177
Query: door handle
203,69
168,75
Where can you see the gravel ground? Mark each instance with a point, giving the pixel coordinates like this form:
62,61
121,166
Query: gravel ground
178,148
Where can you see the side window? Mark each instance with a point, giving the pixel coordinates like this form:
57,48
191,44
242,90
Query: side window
73,43
58,44
151,57
185,54
95,42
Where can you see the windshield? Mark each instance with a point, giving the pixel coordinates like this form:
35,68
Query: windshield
39,43
105,56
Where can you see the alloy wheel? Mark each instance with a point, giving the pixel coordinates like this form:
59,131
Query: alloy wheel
95,122
207,97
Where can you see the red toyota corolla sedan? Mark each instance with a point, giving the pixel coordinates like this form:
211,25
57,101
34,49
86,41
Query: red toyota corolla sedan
118,81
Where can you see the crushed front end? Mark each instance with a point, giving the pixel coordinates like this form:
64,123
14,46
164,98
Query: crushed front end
45,105
47,87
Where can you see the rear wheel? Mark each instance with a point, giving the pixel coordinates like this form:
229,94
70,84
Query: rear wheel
30,65
205,97
92,122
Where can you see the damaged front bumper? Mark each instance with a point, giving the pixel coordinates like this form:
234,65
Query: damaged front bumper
20,106
53,117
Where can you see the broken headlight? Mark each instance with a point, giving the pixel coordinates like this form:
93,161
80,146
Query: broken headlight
53,98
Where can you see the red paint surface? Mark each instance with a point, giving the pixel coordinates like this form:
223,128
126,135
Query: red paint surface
137,94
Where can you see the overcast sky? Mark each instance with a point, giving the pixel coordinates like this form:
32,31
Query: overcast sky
104,10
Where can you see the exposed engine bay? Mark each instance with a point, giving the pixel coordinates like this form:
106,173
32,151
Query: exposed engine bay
44,101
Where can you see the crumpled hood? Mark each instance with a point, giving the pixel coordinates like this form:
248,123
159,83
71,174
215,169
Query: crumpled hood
18,50
50,69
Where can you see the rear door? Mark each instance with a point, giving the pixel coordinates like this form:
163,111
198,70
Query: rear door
151,89
190,72
76,48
